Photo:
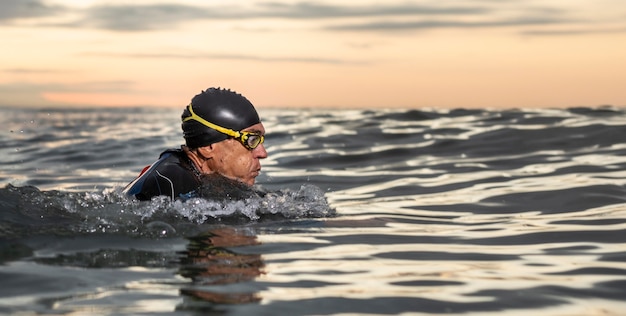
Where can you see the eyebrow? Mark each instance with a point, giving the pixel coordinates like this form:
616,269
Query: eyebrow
254,131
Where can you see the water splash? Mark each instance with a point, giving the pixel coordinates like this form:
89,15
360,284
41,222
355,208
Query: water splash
27,209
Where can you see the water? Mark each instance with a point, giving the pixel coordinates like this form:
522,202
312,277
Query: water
461,212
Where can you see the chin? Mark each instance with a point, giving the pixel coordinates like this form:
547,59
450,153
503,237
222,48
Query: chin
249,182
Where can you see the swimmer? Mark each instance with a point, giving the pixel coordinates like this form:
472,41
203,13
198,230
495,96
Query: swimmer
223,139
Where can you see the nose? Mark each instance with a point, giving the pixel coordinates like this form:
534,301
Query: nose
260,152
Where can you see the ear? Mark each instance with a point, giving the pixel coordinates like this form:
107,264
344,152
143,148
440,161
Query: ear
206,152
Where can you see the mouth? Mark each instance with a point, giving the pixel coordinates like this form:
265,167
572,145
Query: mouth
256,172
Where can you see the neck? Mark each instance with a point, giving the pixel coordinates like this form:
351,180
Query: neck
199,162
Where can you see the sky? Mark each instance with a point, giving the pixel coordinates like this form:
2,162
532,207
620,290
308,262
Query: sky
333,54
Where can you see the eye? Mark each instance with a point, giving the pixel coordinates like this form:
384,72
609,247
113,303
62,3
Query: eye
254,140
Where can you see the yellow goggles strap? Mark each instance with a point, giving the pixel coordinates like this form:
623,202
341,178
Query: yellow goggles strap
208,124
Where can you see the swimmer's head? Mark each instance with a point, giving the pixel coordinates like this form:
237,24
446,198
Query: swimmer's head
221,107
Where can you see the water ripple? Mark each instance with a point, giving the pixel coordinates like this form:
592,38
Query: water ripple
374,212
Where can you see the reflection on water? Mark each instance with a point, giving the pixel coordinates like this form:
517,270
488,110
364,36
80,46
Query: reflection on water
209,261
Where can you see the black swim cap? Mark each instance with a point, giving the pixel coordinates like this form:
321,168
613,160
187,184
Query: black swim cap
219,106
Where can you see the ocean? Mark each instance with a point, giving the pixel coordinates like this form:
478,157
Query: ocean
368,212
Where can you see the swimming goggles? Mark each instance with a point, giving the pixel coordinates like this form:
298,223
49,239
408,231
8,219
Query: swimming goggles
250,140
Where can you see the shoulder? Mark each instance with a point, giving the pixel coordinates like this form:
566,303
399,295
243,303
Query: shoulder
171,161
170,175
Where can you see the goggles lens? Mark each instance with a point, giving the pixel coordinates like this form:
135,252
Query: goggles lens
251,140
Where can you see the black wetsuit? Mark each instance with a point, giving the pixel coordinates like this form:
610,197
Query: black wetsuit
173,175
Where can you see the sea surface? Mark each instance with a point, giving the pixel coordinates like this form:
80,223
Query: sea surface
369,212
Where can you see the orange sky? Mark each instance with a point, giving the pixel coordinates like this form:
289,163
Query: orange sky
348,54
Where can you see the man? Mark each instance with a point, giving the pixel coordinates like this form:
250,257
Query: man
224,144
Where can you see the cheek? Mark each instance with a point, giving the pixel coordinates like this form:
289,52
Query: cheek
237,163
244,162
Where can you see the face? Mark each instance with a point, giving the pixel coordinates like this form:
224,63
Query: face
232,160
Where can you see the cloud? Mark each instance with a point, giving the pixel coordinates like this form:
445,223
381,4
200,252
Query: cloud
164,16
577,31
88,86
16,9
440,24
32,94
380,17
320,11
316,60
33,71
137,18
153,17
